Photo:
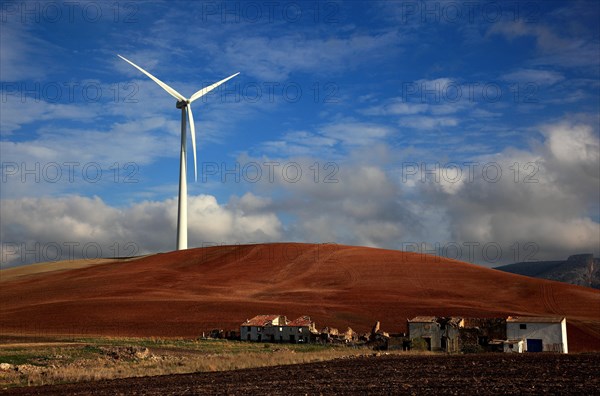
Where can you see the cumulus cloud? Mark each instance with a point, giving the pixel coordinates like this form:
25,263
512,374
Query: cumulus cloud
536,203
546,197
47,229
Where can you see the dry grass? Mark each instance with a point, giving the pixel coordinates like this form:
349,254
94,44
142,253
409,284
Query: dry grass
96,359
162,366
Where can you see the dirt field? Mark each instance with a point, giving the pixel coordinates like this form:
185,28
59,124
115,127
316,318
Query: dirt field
198,290
393,374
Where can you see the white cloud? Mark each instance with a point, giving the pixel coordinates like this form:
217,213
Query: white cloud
19,47
37,229
397,107
18,111
553,49
427,122
573,144
545,211
356,133
547,196
275,58
534,76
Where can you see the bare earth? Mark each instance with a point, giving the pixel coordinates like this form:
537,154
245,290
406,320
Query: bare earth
182,293
414,374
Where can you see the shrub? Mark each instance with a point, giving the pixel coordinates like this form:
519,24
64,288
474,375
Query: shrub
418,344
471,348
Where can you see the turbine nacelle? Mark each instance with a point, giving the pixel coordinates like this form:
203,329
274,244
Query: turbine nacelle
182,104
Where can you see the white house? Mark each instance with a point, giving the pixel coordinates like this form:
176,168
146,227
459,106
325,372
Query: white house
537,334
263,328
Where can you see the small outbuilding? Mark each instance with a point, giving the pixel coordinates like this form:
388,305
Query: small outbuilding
537,334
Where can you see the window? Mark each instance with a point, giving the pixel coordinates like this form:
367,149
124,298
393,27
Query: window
523,326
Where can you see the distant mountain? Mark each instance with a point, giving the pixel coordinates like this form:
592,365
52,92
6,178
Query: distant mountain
579,269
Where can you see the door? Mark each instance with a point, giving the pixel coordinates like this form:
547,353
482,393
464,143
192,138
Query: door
428,341
534,345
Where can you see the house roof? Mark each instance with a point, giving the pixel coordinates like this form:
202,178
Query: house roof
423,319
303,321
260,320
535,319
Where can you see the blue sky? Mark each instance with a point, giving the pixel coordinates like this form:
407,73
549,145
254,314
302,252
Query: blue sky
464,129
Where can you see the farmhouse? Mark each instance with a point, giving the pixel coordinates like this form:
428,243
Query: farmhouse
536,334
513,334
276,328
262,328
438,334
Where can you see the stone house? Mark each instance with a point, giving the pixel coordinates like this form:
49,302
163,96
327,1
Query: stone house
300,330
262,328
276,328
438,333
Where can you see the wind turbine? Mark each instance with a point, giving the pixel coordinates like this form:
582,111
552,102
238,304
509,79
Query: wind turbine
185,105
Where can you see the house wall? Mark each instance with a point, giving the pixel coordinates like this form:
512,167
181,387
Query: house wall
299,333
452,343
517,347
563,328
271,333
553,335
253,331
426,330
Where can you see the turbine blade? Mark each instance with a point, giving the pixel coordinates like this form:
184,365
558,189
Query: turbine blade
206,90
193,130
164,86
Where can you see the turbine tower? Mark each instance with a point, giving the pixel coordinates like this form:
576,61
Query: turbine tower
185,105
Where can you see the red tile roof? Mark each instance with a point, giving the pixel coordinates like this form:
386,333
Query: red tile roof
303,321
260,320
423,319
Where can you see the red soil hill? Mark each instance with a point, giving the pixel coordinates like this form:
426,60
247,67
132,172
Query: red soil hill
183,293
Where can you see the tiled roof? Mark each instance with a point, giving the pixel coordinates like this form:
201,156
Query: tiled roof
260,320
423,319
534,319
301,322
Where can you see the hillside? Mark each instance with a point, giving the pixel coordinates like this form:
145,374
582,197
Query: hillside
579,269
183,293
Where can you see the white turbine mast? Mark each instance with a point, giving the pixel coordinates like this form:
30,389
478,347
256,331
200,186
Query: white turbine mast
185,106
